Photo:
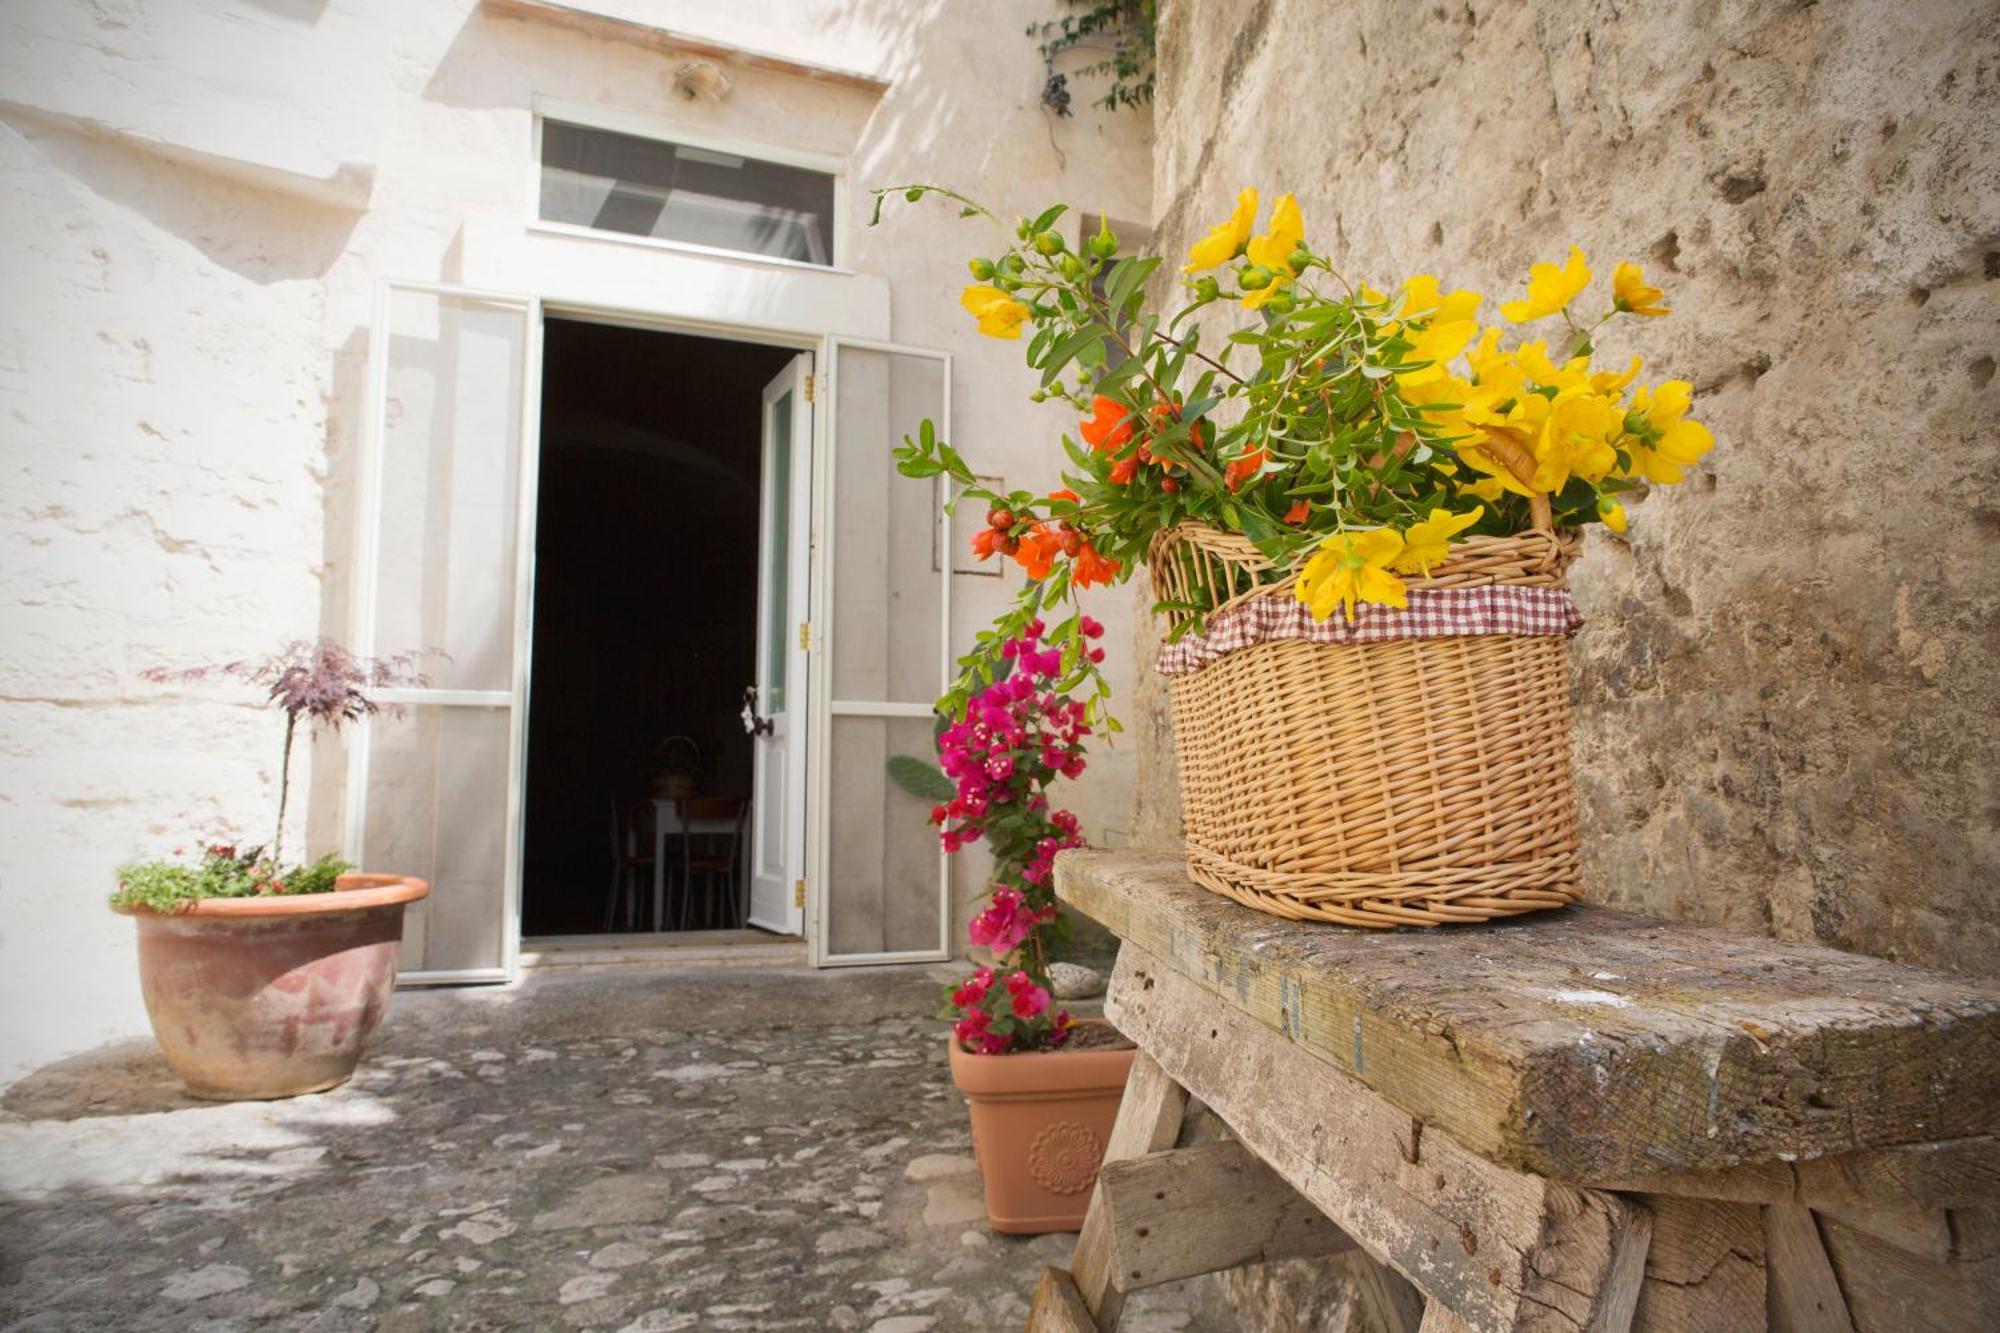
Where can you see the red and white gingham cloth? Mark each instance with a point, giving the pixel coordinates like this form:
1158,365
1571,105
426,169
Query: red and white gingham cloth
1433,613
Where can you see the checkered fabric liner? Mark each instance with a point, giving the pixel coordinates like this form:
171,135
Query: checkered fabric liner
1433,613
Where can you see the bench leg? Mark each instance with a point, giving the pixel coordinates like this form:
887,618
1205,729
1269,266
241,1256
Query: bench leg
1149,1119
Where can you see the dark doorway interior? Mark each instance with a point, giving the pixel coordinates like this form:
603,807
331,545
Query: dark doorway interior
645,597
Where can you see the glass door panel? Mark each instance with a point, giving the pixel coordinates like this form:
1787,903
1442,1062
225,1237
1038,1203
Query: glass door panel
434,780
881,614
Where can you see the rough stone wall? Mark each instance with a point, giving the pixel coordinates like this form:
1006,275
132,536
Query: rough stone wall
1786,691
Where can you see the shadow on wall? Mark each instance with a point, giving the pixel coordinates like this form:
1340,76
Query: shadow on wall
256,233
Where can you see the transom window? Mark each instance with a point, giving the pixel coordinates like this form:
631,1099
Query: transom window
635,186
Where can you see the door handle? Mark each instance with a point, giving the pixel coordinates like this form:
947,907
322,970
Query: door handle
754,723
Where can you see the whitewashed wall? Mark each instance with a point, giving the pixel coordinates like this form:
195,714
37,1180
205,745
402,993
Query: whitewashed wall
196,200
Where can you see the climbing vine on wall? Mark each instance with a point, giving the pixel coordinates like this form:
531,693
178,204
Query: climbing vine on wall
1122,29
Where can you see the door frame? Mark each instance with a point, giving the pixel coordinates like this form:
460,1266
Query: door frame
541,308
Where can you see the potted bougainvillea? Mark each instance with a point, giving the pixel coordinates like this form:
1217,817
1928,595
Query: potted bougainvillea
264,979
1043,1089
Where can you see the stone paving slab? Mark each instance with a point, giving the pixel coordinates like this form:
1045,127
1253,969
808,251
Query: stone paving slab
597,1150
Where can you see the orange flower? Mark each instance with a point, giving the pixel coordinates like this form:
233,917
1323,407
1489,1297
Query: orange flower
1109,427
1066,494
1124,470
1092,567
1038,550
1161,414
1243,469
986,541
1298,513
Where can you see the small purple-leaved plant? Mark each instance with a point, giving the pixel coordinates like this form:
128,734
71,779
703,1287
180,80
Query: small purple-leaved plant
317,680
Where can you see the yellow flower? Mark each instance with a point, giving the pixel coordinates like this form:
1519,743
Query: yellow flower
1225,238
1489,489
1550,288
1438,343
1352,567
1630,293
1534,361
1612,513
1444,397
1660,441
1576,440
1427,543
1273,250
999,314
1423,300
1612,382
1494,368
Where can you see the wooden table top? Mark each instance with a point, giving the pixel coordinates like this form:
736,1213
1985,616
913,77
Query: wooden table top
1588,1044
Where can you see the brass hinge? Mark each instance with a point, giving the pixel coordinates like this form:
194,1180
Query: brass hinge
805,635
812,390
798,893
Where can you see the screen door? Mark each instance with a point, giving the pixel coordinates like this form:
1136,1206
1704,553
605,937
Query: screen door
443,567
880,627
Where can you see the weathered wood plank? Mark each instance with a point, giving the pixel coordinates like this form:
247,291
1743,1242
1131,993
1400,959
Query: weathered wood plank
1705,1271
1803,1294
1890,1290
1588,1045
1384,1293
1955,1173
1057,1307
1187,1211
1149,1120
1502,1248
1438,1319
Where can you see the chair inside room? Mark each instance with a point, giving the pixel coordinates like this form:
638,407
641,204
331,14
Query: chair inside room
631,866
711,896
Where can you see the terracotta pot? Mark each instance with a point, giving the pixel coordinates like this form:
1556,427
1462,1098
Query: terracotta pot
1039,1125
254,998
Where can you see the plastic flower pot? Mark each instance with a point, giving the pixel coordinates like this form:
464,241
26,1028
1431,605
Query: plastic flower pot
257,998
1040,1120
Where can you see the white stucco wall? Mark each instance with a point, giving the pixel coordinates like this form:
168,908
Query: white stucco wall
197,198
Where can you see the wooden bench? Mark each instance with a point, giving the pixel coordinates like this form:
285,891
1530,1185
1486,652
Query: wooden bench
1581,1120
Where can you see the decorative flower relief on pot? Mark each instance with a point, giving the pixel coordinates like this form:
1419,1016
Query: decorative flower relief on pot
1063,1158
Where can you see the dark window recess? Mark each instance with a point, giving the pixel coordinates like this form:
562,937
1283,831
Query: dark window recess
677,192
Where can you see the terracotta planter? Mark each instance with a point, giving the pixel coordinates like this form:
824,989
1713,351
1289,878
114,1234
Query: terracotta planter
1039,1125
254,998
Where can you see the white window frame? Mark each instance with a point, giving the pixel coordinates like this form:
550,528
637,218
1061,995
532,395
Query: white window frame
662,130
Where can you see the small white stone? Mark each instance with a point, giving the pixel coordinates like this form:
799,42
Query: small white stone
620,1254
1074,981
586,1288
974,1240
938,1166
360,1296
211,1280
437,1286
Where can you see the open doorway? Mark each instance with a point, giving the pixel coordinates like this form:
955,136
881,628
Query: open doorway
647,543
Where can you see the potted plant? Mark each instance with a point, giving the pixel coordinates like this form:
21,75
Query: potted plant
1043,1089
261,979
1356,507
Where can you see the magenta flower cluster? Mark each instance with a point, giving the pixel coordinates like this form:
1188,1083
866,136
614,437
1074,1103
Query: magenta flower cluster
993,1017
1019,735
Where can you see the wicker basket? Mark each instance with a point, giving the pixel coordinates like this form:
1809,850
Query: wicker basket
1416,782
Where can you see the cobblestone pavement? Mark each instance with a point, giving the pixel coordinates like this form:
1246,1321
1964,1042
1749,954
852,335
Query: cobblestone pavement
599,1150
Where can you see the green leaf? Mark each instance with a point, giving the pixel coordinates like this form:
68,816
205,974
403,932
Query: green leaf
920,778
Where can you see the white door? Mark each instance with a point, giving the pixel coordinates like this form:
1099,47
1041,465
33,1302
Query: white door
774,706
443,565
881,598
